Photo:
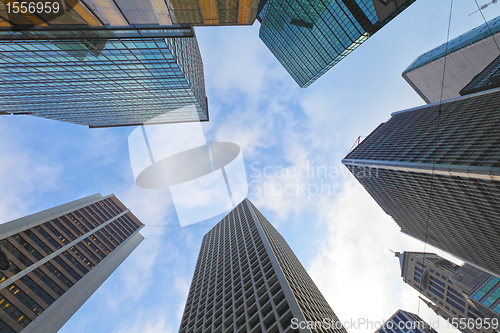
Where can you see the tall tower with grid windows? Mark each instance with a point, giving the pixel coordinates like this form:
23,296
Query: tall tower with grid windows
435,170
59,257
247,279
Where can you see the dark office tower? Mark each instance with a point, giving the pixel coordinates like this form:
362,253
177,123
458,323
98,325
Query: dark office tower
247,279
405,322
445,287
308,37
466,56
59,257
136,76
459,145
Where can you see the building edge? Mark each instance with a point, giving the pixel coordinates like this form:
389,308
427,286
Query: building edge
294,306
15,226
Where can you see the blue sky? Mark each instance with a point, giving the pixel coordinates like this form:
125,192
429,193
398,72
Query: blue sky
342,238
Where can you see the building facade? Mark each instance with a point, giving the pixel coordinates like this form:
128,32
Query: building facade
59,257
247,279
488,79
405,322
446,292
127,77
467,55
486,296
121,13
436,171
309,37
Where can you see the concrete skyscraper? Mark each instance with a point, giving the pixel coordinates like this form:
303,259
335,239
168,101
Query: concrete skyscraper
467,55
308,37
435,170
405,322
446,287
59,257
247,279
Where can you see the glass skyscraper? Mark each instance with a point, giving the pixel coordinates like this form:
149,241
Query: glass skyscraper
121,13
110,78
308,37
436,171
247,279
59,258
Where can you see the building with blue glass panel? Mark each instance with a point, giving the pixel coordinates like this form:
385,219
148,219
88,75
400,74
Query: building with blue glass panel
103,78
308,37
467,55
441,287
486,296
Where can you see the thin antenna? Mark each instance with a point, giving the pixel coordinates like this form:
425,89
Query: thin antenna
484,6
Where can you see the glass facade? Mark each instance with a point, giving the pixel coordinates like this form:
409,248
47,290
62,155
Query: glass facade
487,296
125,81
210,12
409,156
119,13
308,37
24,298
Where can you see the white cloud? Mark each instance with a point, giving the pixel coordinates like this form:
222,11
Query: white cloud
146,323
354,269
25,174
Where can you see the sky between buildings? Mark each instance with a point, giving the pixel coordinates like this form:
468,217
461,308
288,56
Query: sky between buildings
336,229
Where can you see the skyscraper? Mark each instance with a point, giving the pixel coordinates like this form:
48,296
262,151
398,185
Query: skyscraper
436,279
59,257
308,37
134,77
435,170
485,294
468,54
247,279
405,322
